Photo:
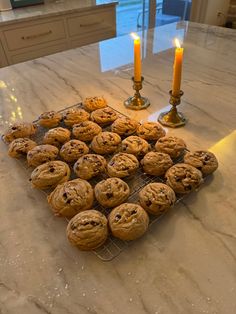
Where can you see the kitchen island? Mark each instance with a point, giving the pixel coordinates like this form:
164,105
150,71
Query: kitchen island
186,263
30,32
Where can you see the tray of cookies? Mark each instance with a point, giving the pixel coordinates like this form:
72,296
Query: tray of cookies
108,175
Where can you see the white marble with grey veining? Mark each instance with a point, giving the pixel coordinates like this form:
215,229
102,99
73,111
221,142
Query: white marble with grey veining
50,8
186,264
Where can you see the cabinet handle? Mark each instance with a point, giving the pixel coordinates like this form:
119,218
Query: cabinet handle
91,24
36,35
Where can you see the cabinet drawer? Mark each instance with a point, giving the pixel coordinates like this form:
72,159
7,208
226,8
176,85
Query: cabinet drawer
37,53
82,24
34,35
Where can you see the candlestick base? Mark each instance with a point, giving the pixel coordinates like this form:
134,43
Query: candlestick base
137,102
173,118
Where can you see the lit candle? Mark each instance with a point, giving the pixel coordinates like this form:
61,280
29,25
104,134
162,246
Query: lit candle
177,73
137,57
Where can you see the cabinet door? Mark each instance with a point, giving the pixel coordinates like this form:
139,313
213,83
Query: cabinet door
3,59
94,21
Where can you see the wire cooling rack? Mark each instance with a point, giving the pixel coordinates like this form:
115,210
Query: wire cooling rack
113,246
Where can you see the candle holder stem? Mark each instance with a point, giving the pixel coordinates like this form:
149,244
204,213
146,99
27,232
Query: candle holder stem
173,118
137,102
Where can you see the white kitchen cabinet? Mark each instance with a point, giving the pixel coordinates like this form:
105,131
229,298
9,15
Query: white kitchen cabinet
22,41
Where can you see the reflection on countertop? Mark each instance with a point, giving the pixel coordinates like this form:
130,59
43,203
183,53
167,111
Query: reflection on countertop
162,39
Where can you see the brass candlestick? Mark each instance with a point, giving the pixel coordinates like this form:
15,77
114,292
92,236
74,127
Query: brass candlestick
137,102
173,118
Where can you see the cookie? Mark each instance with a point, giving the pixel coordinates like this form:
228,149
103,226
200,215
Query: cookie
94,103
156,164
203,160
87,230
50,119
124,126
57,136
128,221
41,154
122,165
157,198
20,147
111,192
171,145
75,115
19,130
105,143
89,166
71,197
150,131
72,150
183,178
135,145
85,131
104,116
50,174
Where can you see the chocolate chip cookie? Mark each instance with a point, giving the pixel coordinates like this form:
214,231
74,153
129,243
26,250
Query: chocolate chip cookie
104,116
156,164
89,166
156,198
57,136
135,145
71,197
72,150
203,160
105,143
41,154
150,131
19,130
124,126
50,174
85,131
171,145
50,119
87,230
183,178
94,103
111,192
75,115
20,147
128,221
122,165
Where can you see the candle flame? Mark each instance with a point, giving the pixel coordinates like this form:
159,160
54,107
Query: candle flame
177,43
134,35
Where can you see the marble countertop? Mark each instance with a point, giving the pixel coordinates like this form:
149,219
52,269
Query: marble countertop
186,263
50,8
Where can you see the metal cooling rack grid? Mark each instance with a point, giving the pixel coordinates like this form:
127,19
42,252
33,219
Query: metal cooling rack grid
113,246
